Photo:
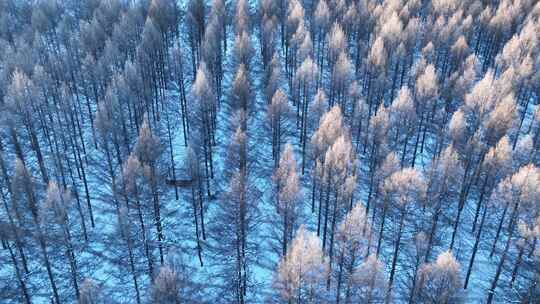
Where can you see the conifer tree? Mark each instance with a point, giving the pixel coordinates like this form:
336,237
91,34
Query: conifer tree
369,283
302,273
353,241
287,195
439,282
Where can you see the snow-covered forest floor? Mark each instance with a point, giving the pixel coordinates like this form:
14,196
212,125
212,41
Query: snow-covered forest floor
290,151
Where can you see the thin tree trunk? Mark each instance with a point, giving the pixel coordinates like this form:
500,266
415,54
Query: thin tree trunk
415,153
498,230
480,200
285,229
332,233
340,277
518,264
462,198
194,206
432,233
133,272
379,242
394,259
157,214
326,209
475,248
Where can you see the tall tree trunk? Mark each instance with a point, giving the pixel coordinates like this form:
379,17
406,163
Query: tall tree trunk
432,233
381,230
499,228
475,248
194,206
394,259
157,213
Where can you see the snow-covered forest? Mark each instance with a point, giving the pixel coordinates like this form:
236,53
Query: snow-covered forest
269,151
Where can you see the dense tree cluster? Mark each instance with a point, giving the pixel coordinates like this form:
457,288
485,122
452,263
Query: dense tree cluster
288,151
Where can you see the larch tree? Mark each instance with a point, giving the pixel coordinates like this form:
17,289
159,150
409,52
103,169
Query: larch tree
196,197
360,121
337,42
241,98
202,123
339,182
280,116
302,272
56,210
305,49
353,241
132,182
320,23
243,49
376,62
331,126
319,107
426,93
402,191
287,195
235,232
195,22
148,151
443,189
174,283
242,17
272,78
414,260
166,287
212,47
269,30
440,282
125,229
292,36
341,80
236,219
376,144
304,81
106,126
388,166
391,30
369,281
402,118
148,55
219,12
